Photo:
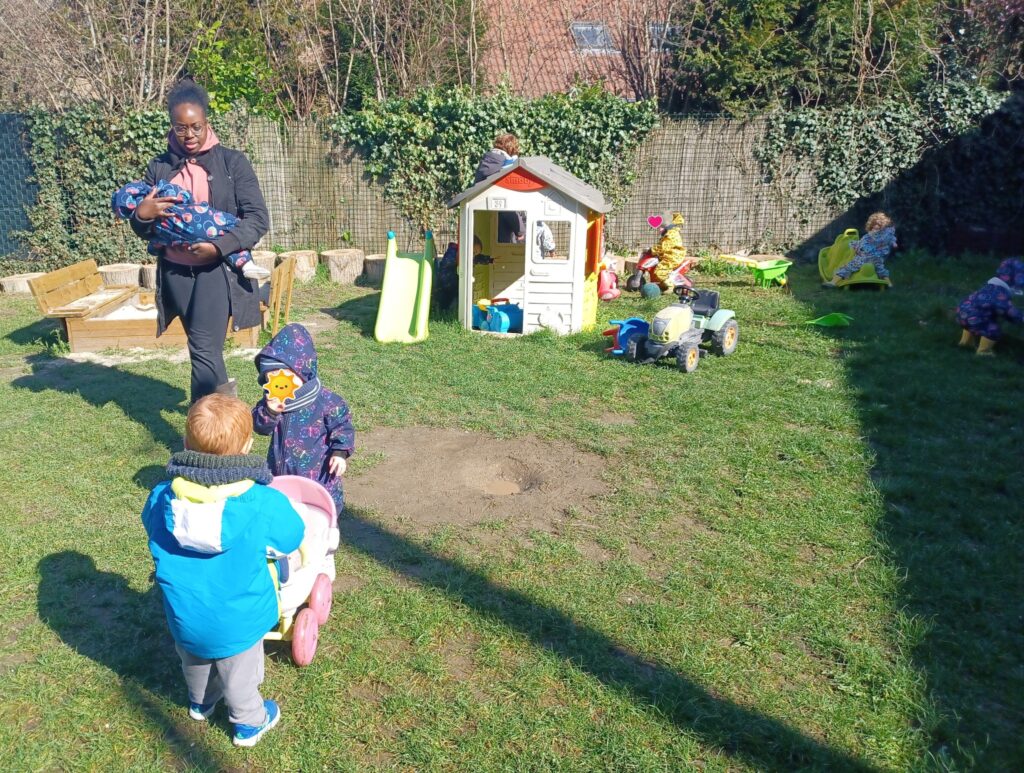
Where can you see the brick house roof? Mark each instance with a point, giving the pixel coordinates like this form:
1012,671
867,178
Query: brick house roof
531,44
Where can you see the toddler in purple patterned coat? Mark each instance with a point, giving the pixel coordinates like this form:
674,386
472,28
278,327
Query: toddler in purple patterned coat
982,313
310,427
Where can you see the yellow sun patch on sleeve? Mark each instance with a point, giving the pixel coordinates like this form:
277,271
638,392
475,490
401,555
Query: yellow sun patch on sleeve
281,384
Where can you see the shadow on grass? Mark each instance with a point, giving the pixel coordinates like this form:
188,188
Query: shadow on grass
43,330
760,741
98,615
946,430
360,312
140,397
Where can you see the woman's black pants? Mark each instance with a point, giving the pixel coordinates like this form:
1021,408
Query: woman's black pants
199,295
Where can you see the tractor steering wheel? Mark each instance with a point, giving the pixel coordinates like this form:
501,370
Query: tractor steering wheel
686,294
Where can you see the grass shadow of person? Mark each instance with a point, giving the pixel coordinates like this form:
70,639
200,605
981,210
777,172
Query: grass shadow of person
760,741
361,312
142,398
944,429
45,330
101,617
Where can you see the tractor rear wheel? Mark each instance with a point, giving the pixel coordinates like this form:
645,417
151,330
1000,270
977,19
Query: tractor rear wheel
724,340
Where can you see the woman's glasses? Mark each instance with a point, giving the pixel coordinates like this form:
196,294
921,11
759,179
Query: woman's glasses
181,130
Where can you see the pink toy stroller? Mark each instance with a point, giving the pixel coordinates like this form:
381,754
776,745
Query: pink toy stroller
304,577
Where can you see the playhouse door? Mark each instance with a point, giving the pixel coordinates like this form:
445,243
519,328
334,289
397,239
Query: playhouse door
550,275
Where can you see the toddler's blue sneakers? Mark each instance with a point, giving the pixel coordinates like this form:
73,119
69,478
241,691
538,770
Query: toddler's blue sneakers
249,735
201,712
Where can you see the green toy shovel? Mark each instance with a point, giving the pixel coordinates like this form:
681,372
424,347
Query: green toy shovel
835,319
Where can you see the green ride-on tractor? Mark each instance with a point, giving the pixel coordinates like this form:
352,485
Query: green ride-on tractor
680,329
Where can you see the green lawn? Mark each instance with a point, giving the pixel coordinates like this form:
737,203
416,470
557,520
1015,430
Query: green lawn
810,558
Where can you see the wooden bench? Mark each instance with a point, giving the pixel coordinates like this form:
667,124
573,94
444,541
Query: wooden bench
97,317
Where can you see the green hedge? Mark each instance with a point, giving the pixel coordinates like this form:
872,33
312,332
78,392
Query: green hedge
888,154
425,149
80,157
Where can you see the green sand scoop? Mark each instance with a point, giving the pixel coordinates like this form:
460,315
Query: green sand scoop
835,319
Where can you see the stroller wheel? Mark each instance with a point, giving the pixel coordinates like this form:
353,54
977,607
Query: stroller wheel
304,637
320,598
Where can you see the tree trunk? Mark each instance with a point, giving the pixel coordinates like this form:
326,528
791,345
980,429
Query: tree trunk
305,263
345,266
373,268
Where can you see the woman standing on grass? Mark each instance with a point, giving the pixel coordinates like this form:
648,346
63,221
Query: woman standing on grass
192,282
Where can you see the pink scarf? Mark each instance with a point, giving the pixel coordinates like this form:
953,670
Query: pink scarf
194,179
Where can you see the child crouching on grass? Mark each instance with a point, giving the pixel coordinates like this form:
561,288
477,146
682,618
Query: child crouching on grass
209,530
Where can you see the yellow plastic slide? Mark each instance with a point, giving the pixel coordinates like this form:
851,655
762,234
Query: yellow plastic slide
405,295
831,259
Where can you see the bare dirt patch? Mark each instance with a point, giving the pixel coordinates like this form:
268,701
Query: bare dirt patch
430,477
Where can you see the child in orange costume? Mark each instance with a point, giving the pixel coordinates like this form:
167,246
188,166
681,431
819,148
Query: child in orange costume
669,250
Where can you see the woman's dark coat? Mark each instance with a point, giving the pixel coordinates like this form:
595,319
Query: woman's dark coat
235,189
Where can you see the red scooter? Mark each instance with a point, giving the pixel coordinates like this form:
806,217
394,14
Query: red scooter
645,273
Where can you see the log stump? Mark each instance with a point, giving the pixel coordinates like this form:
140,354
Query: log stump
265,258
18,283
345,266
147,277
373,269
305,263
121,274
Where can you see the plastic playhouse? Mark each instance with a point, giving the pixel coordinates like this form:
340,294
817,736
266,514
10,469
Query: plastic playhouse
305,577
544,229
404,309
839,253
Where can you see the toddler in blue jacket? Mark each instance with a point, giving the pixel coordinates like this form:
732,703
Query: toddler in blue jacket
310,427
209,529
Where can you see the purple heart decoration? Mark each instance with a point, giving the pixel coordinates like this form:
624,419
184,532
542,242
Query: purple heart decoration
655,221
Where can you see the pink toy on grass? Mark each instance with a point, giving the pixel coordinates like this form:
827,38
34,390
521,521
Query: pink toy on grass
608,281
305,576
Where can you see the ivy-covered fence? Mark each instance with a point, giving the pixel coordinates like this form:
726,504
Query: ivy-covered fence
950,160
955,154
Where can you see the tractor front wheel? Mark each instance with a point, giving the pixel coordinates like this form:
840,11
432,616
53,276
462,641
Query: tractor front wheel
688,358
636,349
724,340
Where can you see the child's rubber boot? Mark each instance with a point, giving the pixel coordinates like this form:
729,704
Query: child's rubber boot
967,339
986,347
249,735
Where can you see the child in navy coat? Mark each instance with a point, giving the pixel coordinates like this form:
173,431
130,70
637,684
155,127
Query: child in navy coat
310,427
982,313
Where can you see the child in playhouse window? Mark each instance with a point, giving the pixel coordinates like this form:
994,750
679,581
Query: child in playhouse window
873,247
310,427
446,286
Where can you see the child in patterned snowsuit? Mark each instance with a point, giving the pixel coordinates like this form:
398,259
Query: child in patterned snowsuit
310,427
669,249
187,223
873,247
981,312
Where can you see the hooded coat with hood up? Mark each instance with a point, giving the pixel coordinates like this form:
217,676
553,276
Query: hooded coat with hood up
209,546
302,440
983,311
